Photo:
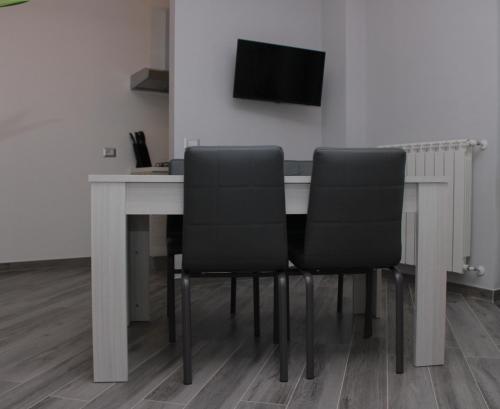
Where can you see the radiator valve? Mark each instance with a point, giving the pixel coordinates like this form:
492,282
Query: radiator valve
482,144
480,270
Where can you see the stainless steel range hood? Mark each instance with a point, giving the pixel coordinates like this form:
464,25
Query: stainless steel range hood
149,79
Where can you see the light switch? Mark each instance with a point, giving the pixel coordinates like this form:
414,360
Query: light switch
109,152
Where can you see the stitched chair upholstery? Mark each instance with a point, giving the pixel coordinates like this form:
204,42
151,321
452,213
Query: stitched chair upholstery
234,220
234,209
356,198
353,225
295,226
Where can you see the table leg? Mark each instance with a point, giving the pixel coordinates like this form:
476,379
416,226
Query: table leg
138,267
109,282
430,278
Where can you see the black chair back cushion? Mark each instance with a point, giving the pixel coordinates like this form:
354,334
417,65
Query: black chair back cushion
234,209
295,222
355,208
298,168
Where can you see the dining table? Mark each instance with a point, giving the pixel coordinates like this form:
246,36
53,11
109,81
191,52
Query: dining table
120,210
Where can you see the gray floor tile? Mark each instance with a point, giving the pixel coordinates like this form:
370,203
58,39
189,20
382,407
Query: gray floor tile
413,389
487,374
489,315
469,333
59,403
43,312
454,384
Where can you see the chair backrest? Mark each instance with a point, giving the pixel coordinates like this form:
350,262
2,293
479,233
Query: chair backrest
176,167
291,167
174,222
298,168
234,209
355,208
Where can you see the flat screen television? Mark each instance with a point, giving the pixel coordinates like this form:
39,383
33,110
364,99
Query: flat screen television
272,72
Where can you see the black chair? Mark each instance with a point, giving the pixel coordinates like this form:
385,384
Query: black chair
174,246
234,220
353,226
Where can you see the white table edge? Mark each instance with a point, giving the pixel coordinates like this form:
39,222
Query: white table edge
123,178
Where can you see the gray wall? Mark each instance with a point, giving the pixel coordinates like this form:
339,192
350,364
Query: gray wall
334,118
204,35
432,74
397,71
64,86
421,71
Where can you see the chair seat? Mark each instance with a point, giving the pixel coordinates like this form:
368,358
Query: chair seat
297,256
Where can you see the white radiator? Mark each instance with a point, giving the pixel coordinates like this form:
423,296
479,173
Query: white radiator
443,158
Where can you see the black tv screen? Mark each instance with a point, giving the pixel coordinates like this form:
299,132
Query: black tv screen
278,73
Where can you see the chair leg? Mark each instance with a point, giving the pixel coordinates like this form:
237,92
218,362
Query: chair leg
275,312
233,295
256,305
399,321
369,305
340,293
186,326
309,325
283,324
288,306
171,297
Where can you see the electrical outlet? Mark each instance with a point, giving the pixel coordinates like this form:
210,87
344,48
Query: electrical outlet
191,142
109,152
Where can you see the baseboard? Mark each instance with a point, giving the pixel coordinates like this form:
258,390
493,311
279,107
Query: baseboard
18,266
159,263
492,296
471,291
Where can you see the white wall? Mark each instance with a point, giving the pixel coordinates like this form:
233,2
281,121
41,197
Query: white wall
334,104
497,207
428,70
205,33
396,71
356,73
344,107
64,86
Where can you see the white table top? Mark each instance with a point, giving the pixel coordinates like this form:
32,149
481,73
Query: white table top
180,179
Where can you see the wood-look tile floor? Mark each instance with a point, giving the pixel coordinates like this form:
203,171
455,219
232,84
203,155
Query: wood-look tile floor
45,351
